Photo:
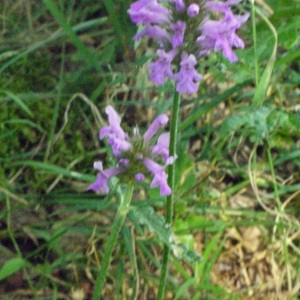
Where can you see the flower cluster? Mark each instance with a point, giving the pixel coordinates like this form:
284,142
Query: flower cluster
185,30
137,156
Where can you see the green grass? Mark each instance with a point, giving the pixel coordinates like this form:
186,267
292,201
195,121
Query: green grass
237,197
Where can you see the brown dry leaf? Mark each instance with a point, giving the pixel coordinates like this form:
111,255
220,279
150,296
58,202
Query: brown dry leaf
258,256
251,238
241,200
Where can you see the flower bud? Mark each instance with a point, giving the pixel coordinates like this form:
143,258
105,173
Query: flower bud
193,10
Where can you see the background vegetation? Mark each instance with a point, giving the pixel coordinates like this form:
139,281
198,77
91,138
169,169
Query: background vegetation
238,193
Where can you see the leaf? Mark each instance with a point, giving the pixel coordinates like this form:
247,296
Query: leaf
156,224
231,124
259,123
11,266
182,289
57,170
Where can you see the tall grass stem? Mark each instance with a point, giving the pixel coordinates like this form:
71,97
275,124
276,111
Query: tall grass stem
170,199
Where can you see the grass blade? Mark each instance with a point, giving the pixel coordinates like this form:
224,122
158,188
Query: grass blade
263,84
56,170
19,101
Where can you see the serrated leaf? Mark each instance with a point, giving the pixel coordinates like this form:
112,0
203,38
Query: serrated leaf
231,124
156,224
259,123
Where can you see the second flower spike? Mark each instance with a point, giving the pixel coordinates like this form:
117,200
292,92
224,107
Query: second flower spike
138,157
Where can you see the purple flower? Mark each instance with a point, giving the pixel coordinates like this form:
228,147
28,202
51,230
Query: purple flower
223,7
148,11
193,10
101,183
160,176
157,123
116,136
188,77
173,25
162,146
114,127
139,177
220,35
155,32
178,29
179,5
161,69
136,156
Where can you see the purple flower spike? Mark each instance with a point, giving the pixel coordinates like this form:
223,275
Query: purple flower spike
161,69
101,183
157,123
148,11
193,10
135,155
178,29
187,78
220,35
176,25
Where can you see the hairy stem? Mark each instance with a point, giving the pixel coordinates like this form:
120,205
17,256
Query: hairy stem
254,42
170,199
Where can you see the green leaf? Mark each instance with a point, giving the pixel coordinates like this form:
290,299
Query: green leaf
259,123
182,289
56,170
11,266
156,224
231,124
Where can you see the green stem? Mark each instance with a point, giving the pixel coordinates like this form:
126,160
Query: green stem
254,42
118,222
170,199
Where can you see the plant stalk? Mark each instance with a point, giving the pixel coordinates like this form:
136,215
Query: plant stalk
253,20
170,199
